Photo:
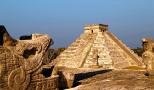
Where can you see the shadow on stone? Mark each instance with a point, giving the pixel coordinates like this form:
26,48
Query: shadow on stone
86,75
26,37
47,72
146,74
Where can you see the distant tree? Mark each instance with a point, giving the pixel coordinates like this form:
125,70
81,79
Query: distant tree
60,50
26,37
56,52
138,51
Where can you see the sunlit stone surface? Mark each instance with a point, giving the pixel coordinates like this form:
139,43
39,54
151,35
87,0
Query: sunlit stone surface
148,55
21,63
97,47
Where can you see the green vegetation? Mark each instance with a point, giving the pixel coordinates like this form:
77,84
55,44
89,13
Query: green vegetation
138,51
56,52
61,50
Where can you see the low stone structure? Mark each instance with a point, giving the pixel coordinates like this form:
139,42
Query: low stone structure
117,80
21,63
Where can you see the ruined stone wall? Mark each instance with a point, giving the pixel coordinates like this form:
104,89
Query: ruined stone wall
50,83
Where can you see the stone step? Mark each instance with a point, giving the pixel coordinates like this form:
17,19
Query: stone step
75,45
122,64
117,61
65,55
65,58
72,49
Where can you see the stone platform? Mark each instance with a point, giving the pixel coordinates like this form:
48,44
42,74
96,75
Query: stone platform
70,77
118,80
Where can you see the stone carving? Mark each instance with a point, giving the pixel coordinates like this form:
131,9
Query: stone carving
18,79
5,38
1,71
148,55
21,61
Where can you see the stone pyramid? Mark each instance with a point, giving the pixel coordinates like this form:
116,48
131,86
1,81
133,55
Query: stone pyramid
98,47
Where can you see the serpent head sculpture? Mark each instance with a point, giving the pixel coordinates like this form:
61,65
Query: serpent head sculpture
25,57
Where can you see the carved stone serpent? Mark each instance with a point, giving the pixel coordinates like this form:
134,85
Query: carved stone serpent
18,79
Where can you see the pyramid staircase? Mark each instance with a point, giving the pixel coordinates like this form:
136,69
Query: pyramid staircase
73,52
98,47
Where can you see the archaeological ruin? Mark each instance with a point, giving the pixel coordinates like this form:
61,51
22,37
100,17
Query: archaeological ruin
98,47
97,59
21,63
148,55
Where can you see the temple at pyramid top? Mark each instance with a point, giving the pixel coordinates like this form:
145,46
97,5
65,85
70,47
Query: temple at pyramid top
98,47
95,28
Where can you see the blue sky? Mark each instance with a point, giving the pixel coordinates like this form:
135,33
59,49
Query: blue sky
63,20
